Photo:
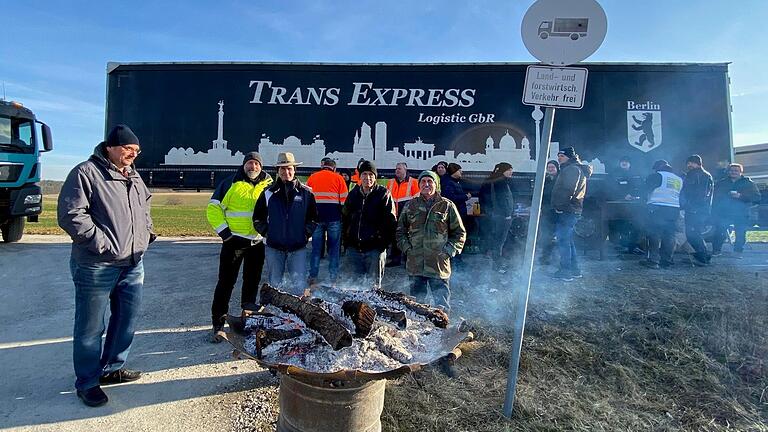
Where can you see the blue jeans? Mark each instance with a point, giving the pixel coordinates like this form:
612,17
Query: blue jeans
368,265
564,225
294,263
96,286
334,248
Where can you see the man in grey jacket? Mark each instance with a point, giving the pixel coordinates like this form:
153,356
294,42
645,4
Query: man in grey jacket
104,207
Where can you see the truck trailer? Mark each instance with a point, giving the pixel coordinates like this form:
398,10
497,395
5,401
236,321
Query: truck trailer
197,120
22,139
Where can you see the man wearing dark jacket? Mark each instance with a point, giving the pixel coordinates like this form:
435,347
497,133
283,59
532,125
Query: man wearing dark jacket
285,214
567,201
663,191
230,214
104,207
696,201
734,195
369,219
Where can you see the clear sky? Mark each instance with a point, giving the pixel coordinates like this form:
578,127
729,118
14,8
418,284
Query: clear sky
54,53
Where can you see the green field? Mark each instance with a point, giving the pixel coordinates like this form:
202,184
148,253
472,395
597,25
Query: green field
174,214
178,214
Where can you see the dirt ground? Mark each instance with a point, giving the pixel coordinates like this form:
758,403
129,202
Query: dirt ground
625,348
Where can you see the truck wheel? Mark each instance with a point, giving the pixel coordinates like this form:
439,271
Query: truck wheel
574,36
543,35
13,230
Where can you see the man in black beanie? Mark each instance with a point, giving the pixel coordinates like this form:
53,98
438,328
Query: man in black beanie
568,200
369,218
230,214
696,202
110,231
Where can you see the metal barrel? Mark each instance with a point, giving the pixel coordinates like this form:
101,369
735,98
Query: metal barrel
317,406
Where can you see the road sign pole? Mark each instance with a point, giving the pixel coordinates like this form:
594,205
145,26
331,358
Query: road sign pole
542,153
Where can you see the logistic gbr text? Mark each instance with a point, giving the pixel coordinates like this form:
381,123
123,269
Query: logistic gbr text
363,94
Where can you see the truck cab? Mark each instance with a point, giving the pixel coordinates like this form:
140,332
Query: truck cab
22,139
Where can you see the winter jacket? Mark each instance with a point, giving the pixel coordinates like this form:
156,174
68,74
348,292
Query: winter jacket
696,195
285,214
430,233
727,206
571,186
402,191
330,192
369,221
230,210
452,189
105,212
497,197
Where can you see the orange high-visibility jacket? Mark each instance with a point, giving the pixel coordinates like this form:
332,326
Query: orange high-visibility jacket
330,192
402,192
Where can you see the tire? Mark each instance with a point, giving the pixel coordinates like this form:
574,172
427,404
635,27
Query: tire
13,230
543,35
574,36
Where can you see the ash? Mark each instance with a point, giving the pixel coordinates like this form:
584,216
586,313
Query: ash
384,349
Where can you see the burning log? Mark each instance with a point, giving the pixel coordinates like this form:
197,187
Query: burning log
438,317
396,316
266,336
361,314
313,316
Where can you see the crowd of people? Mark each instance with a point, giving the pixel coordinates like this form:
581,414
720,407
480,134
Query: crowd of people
705,205
355,222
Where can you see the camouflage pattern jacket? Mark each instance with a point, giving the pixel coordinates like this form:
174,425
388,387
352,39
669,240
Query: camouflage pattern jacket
429,233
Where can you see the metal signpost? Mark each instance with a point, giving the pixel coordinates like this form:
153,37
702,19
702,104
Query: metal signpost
559,33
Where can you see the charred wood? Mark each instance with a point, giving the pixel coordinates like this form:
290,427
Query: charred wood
313,316
395,316
438,317
362,315
266,336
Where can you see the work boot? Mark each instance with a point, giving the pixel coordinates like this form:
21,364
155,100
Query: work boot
119,376
93,396
217,334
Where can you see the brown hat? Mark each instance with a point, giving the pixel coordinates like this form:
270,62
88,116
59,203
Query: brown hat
286,159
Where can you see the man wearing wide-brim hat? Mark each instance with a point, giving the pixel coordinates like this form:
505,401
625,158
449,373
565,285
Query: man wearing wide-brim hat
285,214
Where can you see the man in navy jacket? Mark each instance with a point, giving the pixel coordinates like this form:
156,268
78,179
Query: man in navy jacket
285,214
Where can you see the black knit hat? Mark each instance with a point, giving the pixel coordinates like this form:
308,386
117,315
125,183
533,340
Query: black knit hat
452,168
367,166
253,156
569,152
121,135
695,159
659,164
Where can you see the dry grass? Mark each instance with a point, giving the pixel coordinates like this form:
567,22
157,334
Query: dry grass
675,351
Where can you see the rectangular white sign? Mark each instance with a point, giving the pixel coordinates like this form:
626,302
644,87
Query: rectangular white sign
555,87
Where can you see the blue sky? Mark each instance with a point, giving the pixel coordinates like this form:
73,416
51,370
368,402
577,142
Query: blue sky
54,54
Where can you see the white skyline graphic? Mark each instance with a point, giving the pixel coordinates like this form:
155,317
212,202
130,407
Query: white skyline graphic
372,145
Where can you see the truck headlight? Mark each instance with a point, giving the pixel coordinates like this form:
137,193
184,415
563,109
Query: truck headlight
32,199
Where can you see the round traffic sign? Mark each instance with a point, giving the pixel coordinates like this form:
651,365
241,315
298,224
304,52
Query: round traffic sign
563,32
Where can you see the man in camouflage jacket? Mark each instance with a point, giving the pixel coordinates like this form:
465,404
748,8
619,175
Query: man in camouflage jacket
430,232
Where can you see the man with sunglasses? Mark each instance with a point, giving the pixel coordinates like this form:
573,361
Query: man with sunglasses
104,207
